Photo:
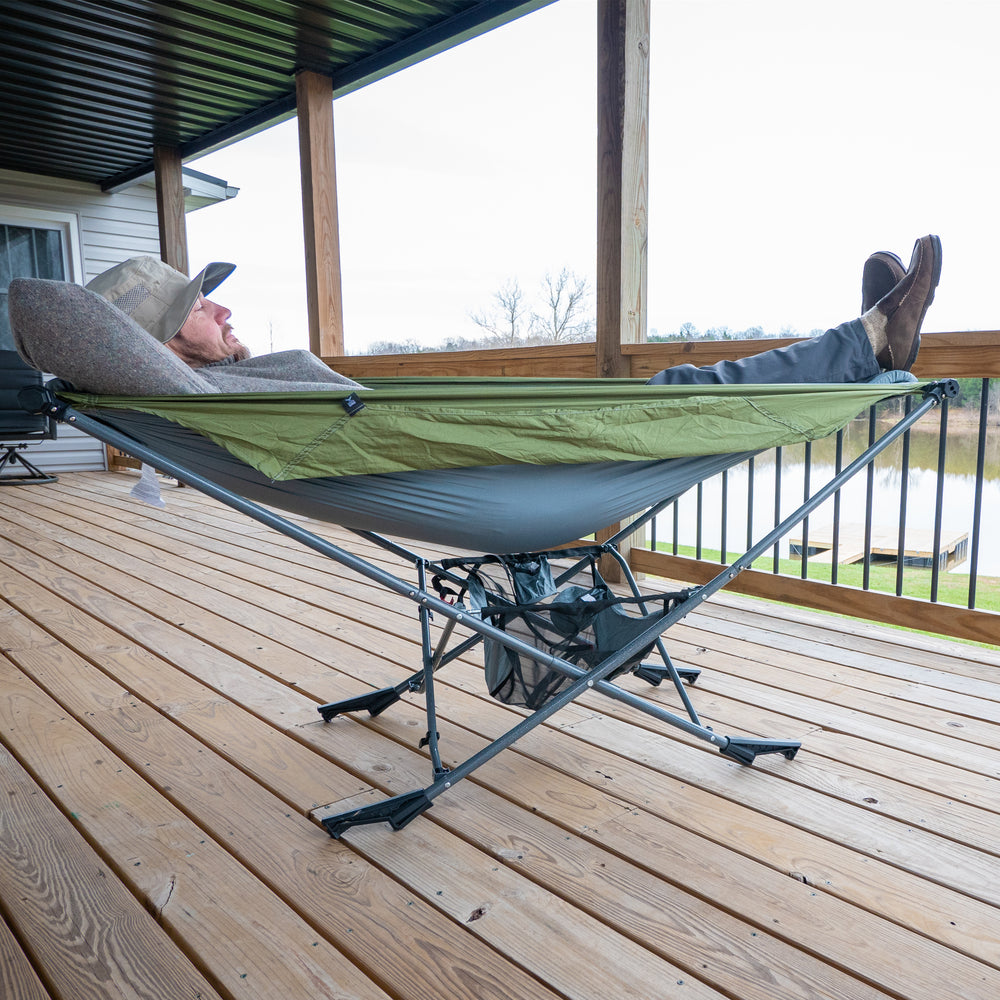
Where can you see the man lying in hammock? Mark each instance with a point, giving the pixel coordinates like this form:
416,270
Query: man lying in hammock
886,337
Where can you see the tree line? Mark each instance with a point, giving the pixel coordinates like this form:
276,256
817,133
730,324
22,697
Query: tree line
560,312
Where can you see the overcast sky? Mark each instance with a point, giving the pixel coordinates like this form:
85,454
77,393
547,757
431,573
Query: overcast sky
787,141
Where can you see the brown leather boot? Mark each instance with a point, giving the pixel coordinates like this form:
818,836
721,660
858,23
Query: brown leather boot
906,305
880,275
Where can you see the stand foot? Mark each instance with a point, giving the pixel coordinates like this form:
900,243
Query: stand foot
374,702
397,812
746,750
655,675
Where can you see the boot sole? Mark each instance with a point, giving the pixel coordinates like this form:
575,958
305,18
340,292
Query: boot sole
935,278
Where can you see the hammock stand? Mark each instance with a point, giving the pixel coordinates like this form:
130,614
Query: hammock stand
399,810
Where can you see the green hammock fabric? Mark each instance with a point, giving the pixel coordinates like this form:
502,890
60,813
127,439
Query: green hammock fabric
433,423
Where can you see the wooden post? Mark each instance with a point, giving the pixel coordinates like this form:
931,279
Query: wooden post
635,174
622,176
170,207
317,160
167,169
610,137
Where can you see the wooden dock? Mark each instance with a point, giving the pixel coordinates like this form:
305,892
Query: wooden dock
918,550
163,765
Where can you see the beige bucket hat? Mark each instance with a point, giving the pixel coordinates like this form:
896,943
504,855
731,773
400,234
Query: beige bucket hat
154,294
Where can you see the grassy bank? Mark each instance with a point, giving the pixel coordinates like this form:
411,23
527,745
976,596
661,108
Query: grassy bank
953,588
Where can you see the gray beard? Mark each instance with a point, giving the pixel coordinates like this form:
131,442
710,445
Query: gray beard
242,354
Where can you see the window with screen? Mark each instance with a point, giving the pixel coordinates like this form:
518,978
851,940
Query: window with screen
32,245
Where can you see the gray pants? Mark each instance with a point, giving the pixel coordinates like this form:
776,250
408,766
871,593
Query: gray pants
843,354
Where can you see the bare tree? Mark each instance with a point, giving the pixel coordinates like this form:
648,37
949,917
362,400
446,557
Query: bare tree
562,319
505,323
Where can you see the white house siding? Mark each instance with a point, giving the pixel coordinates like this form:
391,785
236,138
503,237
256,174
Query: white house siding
112,227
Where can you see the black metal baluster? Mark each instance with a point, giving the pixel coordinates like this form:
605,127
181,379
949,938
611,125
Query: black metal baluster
699,512
977,508
777,505
869,490
904,490
725,515
835,552
939,501
806,470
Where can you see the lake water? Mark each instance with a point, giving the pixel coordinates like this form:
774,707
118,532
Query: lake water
922,480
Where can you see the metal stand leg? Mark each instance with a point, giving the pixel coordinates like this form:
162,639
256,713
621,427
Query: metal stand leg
376,702
646,671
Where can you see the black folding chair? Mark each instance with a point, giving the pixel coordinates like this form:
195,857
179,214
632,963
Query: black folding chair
18,428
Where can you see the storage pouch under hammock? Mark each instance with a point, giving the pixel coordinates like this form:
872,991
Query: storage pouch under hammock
579,620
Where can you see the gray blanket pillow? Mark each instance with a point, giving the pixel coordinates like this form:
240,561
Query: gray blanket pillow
79,336
73,333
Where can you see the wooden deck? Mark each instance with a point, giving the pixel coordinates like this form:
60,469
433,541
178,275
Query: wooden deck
162,760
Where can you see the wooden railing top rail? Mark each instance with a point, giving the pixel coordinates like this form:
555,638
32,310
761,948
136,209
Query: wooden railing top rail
565,360
953,355
974,354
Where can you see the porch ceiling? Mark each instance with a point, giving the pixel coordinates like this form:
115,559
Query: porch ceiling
89,88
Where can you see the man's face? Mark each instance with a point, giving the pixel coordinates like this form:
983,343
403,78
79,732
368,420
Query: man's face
206,336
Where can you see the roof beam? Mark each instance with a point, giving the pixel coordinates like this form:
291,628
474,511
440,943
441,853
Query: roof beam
170,207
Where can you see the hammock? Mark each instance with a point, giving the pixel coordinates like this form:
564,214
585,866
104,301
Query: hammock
491,465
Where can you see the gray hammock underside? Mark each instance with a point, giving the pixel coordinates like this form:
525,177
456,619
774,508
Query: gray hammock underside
498,509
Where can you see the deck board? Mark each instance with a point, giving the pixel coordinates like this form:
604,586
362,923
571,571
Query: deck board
17,975
161,671
88,935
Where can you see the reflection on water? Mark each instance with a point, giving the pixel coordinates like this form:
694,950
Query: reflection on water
957,507
961,454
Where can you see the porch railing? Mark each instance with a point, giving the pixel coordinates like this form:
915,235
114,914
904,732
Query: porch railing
912,526
707,518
